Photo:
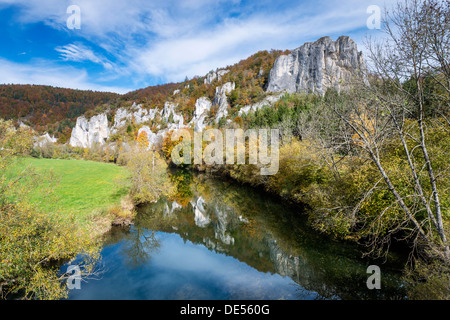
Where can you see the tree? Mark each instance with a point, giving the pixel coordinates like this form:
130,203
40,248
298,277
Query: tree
149,177
33,243
388,115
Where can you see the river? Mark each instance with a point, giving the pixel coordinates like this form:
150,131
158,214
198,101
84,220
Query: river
220,240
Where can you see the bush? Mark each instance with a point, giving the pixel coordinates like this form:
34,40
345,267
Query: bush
148,181
33,244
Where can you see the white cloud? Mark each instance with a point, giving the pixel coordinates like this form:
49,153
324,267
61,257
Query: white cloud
171,39
234,39
79,52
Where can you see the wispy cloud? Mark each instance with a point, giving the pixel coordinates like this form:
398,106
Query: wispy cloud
80,53
145,40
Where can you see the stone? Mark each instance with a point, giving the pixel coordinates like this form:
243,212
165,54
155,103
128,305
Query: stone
86,133
43,139
136,113
212,75
267,101
221,99
177,119
316,66
202,109
152,137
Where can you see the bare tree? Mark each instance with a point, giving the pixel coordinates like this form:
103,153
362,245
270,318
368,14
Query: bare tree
394,109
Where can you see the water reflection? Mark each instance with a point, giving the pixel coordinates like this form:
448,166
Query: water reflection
217,240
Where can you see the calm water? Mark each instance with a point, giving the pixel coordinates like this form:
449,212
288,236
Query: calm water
217,240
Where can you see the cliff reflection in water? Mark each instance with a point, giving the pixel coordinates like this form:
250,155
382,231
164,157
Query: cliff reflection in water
260,232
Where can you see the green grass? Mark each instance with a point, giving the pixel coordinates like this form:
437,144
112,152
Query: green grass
82,187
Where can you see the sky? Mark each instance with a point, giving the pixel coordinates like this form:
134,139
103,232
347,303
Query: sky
124,45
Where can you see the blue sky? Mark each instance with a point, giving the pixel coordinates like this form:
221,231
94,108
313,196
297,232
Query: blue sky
127,45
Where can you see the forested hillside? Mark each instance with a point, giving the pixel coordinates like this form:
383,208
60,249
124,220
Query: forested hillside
49,109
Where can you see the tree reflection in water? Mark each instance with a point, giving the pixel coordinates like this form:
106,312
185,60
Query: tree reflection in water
137,244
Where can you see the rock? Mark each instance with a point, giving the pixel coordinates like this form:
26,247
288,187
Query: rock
88,132
23,125
260,73
211,76
137,113
167,113
43,140
177,119
202,108
176,91
267,101
221,99
316,66
152,137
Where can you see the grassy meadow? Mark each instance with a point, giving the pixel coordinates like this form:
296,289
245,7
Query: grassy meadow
78,188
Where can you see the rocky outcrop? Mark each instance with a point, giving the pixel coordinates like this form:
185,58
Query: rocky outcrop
313,67
42,140
212,75
221,99
86,133
96,130
151,136
316,66
173,120
202,109
136,113
266,102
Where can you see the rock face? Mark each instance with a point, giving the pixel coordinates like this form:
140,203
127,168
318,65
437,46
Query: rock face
221,99
152,137
211,76
137,113
89,132
174,120
267,101
313,67
202,108
316,66
42,140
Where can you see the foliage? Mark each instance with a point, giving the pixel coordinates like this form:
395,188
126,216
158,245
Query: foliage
149,177
33,242
428,281
49,109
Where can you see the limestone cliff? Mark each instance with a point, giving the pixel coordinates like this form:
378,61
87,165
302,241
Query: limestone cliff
88,132
221,99
316,66
313,67
202,108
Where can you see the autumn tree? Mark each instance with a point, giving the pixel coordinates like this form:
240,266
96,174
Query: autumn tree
391,115
32,242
